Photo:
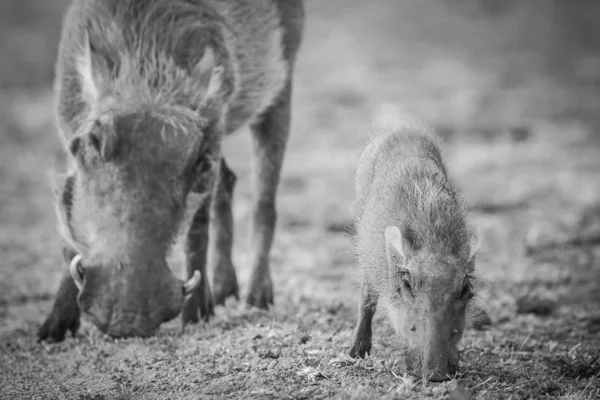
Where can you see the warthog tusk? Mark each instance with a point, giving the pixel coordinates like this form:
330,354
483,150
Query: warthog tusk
191,283
77,270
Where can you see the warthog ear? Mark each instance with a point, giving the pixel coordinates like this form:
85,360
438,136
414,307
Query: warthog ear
211,76
85,70
209,72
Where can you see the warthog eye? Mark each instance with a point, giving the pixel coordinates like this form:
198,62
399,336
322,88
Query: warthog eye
467,292
203,164
200,170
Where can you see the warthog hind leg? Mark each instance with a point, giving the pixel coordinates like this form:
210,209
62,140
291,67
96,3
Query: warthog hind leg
270,134
224,280
65,314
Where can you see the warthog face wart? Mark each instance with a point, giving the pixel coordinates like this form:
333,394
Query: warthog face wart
122,208
426,305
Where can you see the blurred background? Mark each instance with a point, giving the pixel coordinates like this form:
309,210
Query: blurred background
467,62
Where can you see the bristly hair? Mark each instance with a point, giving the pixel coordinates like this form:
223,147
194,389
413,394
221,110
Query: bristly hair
433,214
145,53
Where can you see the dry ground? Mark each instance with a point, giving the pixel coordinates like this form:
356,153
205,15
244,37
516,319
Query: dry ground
520,142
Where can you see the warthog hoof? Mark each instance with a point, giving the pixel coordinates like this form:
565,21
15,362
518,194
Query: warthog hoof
261,294
224,289
224,283
62,319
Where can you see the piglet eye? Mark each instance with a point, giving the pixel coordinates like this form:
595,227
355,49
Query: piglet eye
75,145
406,286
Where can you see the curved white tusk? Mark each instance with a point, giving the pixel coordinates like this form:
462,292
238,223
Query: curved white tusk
77,270
191,283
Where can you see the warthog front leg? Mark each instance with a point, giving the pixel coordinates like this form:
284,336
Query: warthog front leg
196,249
270,135
361,341
65,314
224,280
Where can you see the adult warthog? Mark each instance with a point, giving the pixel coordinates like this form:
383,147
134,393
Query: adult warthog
145,92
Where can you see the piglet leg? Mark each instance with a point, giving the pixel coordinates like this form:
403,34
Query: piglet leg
361,341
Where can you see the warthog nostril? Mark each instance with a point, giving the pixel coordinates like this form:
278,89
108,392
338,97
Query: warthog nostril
413,328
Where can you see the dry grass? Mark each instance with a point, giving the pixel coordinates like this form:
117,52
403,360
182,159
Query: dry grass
532,180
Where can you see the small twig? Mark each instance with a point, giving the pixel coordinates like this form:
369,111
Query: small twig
525,341
393,373
586,387
481,383
574,348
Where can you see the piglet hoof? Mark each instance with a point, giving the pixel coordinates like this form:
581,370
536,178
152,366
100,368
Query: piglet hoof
224,284
59,322
261,294
360,348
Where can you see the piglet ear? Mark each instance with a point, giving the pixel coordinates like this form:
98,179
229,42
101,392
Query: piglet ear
397,247
474,244
398,250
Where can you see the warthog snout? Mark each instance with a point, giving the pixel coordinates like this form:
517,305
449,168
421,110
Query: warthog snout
440,356
427,301
126,302
440,371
